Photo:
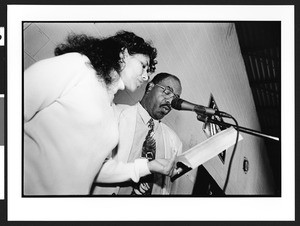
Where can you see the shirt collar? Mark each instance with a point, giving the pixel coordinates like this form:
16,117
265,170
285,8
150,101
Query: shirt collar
143,113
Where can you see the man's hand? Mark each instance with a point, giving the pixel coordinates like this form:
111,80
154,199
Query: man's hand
143,187
163,166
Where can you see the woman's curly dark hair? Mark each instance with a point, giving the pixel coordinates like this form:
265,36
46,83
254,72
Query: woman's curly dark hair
104,54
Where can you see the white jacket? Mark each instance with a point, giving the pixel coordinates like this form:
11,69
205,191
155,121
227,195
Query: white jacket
69,126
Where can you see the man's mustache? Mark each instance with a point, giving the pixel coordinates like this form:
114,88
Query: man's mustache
168,105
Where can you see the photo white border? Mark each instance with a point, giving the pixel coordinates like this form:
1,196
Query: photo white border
115,209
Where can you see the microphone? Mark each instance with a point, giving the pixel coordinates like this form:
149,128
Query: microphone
180,104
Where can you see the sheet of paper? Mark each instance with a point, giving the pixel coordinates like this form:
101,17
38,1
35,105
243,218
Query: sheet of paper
209,148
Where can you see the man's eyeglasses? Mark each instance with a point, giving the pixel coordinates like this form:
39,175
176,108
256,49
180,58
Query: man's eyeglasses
168,91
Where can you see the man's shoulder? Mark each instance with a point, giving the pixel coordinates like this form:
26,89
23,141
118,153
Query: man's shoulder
171,135
168,129
125,108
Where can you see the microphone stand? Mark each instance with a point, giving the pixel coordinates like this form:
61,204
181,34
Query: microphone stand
205,119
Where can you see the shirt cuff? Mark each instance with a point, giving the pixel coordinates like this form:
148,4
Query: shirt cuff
141,166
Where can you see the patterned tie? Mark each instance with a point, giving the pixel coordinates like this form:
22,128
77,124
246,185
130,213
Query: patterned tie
148,151
149,145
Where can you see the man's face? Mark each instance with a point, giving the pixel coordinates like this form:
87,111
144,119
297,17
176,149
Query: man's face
160,97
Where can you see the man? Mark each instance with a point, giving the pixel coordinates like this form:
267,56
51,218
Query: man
134,130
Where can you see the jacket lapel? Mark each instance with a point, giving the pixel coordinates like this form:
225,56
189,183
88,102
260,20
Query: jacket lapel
127,130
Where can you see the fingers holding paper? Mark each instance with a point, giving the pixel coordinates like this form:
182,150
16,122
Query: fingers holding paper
163,166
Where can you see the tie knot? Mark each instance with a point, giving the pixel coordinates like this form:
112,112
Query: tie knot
151,123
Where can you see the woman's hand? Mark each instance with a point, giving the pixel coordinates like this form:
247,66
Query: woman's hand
163,166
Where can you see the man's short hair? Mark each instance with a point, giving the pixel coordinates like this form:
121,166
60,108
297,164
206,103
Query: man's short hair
160,77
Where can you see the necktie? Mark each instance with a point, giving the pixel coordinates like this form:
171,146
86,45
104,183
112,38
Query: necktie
148,151
149,145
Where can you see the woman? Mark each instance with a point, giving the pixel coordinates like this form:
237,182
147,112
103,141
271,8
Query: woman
69,119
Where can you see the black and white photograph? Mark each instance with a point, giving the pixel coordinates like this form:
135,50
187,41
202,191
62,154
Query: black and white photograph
113,112
71,137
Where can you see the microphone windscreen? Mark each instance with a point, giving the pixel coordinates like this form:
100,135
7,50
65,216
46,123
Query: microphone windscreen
176,103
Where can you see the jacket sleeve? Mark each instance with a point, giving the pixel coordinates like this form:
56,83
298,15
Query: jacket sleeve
185,183
173,144
114,171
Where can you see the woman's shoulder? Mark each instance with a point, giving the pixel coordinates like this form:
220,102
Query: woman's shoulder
65,60
74,57
73,61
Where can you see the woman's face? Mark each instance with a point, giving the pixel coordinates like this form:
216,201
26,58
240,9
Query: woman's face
134,73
